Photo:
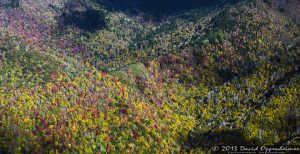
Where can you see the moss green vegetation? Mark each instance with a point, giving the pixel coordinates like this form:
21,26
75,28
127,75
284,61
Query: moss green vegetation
223,76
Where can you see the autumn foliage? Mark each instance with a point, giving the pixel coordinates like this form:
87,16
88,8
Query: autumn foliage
210,76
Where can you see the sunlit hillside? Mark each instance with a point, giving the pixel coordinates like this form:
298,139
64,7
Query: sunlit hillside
98,76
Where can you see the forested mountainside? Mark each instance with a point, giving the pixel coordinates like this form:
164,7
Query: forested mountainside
156,9
289,8
97,76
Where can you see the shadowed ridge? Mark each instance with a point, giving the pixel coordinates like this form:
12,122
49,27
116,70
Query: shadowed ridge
156,10
80,14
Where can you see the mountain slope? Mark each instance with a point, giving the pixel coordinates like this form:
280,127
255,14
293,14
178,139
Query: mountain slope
47,105
209,76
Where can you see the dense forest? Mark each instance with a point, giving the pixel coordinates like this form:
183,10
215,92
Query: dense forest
141,76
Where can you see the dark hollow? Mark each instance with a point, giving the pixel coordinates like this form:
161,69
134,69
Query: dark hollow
218,137
157,9
88,20
10,3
